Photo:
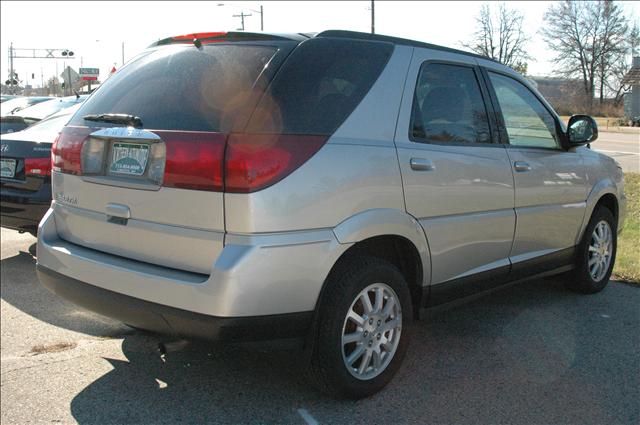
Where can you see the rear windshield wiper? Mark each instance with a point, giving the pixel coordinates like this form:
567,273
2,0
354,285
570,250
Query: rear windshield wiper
116,119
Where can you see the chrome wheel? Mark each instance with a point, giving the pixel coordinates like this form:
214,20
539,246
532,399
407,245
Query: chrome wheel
600,250
371,331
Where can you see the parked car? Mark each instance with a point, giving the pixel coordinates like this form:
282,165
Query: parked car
6,97
23,118
25,173
238,186
13,105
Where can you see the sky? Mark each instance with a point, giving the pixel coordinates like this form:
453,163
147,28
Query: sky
95,31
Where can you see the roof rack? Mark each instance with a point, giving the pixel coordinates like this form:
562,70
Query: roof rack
395,40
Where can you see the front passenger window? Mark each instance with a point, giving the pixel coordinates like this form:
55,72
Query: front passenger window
528,122
448,106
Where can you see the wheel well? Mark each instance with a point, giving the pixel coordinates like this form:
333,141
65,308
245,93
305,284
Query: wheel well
610,202
400,252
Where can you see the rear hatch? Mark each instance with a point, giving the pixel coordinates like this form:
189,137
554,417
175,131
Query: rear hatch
138,172
24,165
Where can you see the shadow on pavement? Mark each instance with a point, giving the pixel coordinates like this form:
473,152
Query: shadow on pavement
532,353
21,289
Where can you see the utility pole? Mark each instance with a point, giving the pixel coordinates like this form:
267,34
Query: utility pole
242,15
373,18
261,19
123,53
11,61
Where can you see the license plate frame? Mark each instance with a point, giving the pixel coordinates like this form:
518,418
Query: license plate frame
10,165
128,159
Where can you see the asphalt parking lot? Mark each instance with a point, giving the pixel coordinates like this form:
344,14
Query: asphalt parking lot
532,353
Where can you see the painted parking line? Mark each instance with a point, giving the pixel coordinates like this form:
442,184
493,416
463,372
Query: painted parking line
310,420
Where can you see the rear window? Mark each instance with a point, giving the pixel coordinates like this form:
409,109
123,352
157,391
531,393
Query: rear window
319,85
182,87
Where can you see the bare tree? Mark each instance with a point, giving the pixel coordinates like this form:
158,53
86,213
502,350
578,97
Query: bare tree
589,38
500,36
620,67
614,44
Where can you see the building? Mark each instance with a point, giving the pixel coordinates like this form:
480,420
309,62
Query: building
565,95
632,98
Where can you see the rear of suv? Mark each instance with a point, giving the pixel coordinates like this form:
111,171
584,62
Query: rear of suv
237,186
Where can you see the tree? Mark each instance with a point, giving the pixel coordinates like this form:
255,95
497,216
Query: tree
53,85
499,36
588,39
614,33
620,67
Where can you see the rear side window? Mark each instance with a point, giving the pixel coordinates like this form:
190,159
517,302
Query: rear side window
319,85
448,106
183,87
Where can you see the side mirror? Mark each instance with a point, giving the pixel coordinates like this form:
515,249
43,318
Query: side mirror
582,129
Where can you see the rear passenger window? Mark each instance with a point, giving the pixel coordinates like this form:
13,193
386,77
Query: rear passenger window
528,122
319,85
448,106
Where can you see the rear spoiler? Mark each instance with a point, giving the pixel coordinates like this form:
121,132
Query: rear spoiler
218,37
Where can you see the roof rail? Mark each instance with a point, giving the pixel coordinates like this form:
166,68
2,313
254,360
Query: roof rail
395,40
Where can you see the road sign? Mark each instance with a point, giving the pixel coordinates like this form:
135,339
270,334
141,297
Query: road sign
70,74
89,74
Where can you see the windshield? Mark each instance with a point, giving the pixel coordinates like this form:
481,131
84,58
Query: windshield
50,107
19,103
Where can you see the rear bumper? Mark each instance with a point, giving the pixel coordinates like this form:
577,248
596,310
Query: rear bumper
23,211
257,277
172,321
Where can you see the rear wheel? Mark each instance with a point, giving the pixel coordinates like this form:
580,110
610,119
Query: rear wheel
596,254
363,326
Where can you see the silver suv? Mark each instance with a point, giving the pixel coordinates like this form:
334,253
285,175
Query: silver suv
238,186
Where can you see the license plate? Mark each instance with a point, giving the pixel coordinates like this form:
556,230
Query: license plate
129,158
8,168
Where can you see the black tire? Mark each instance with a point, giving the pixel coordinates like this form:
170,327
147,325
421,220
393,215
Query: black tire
327,370
579,279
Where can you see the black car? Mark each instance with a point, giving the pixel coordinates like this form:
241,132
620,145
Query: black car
25,173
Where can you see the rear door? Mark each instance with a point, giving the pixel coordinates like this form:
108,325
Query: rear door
550,182
456,177
149,187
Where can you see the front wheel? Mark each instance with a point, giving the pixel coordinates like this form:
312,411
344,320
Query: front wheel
363,328
595,255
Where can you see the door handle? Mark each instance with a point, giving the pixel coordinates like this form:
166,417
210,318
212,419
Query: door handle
421,164
521,166
118,210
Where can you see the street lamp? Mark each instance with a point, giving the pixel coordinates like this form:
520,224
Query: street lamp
242,14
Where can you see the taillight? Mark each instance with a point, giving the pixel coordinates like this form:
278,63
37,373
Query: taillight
37,166
255,161
66,151
193,160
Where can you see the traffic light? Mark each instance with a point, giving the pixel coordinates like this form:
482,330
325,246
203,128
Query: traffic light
67,53
62,85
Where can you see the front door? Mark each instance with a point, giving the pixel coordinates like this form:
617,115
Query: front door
551,184
457,179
